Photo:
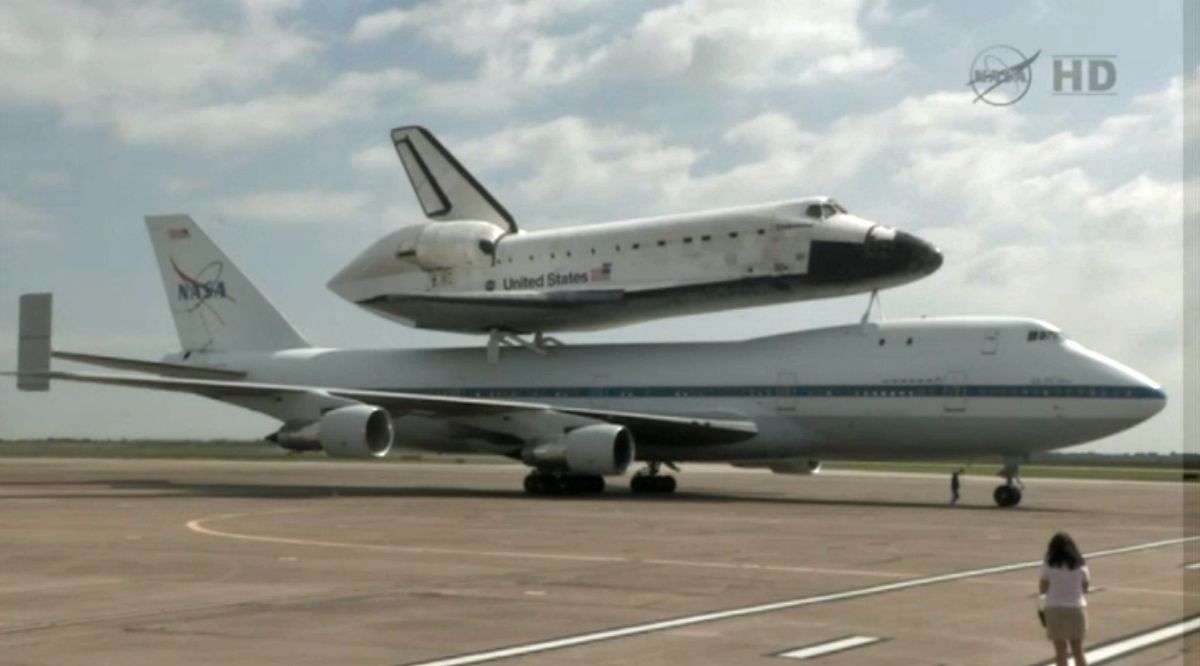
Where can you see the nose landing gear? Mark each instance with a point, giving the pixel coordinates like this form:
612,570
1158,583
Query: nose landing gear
1009,494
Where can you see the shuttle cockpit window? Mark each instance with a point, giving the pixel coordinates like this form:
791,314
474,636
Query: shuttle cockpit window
824,211
1038,336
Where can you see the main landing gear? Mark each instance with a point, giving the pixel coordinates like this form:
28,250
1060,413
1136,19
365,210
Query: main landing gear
1009,494
650,481
550,483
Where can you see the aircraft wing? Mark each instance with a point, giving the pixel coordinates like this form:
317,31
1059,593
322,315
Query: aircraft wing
444,187
650,427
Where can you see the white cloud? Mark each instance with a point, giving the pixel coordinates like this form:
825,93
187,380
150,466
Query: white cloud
572,169
86,59
748,44
22,222
377,26
231,125
527,46
377,157
297,206
160,73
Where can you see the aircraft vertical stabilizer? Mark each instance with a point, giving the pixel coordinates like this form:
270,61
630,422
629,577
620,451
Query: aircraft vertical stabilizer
444,187
33,343
215,306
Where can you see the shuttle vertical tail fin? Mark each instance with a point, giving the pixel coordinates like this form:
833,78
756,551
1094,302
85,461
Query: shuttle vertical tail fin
215,306
444,187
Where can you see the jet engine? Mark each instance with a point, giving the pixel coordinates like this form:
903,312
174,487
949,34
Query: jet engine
605,450
354,431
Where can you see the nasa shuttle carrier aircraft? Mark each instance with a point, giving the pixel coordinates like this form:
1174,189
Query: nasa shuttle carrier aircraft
940,388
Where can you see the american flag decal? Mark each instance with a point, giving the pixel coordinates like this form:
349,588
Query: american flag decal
177,234
602,274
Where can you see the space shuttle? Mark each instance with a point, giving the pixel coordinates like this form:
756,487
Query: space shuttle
471,269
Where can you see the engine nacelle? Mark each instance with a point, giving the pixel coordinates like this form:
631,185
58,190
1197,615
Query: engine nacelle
452,244
354,431
604,449
801,467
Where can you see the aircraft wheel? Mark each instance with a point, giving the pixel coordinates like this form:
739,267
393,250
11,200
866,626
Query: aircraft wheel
646,483
539,483
1007,496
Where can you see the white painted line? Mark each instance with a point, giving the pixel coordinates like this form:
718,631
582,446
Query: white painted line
829,647
1125,646
198,525
1194,566
733,613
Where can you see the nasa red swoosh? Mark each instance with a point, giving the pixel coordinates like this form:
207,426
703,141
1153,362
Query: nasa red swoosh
184,276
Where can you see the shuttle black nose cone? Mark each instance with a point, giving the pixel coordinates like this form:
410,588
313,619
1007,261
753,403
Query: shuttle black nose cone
916,256
880,260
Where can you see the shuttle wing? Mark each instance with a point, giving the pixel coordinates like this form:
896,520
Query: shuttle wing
650,427
444,187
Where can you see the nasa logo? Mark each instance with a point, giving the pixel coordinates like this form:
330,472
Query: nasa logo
204,285
490,285
1001,75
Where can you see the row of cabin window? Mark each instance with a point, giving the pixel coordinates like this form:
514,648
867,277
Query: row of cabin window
661,243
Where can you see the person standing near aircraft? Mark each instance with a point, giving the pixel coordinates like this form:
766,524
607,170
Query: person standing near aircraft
954,486
1064,580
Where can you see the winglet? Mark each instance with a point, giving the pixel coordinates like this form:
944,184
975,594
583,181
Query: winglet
444,187
33,343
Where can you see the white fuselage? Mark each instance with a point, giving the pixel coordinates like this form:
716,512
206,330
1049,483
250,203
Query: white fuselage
472,277
904,389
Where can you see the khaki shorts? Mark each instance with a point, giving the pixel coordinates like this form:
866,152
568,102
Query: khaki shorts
1066,624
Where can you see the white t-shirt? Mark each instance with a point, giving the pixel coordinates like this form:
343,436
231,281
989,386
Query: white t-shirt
1066,586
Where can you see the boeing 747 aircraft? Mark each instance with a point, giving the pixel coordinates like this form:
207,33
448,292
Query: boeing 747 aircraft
470,270
959,387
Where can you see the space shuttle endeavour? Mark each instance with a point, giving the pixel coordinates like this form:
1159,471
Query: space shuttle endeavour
470,269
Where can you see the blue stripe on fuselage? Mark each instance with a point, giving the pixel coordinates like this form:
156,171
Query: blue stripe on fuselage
1107,392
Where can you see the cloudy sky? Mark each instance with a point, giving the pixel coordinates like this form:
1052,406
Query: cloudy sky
268,121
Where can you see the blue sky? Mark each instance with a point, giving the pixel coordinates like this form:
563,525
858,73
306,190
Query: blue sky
267,120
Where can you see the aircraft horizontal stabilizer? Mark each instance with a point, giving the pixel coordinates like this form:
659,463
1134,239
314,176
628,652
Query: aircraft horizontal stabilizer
444,187
153,367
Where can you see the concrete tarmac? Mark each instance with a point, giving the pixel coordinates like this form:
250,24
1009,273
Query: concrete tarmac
202,562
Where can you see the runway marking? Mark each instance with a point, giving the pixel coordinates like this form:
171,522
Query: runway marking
744,611
197,525
830,647
1193,566
1127,645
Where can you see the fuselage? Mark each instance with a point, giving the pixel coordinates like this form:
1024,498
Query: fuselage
902,389
473,277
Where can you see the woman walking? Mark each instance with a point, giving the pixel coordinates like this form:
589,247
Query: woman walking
1064,581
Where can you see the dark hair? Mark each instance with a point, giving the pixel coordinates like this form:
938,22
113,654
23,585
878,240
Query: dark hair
1062,552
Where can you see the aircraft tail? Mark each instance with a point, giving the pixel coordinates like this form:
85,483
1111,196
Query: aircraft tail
215,306
444,187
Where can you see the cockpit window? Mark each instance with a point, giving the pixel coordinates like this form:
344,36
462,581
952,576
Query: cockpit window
829,210
813,211
1036,336
837,206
